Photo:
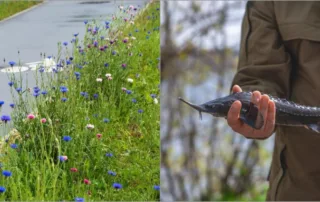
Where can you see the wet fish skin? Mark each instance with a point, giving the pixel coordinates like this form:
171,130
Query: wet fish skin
288,113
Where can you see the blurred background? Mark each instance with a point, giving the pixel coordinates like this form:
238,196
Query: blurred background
204,159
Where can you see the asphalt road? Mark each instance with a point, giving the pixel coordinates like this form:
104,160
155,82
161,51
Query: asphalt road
40,29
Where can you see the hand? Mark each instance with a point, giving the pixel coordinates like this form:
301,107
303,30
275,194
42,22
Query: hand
266,107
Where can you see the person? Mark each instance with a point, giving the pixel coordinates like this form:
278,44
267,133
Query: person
280,56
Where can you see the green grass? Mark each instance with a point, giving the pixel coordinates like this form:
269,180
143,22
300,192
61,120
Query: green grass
9,8
132,137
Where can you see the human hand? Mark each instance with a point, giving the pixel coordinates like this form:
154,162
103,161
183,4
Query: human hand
265,106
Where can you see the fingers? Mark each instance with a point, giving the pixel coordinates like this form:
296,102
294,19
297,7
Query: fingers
271,117
236,89
263,107
233,115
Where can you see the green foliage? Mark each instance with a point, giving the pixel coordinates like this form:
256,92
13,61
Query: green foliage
9,8
132,137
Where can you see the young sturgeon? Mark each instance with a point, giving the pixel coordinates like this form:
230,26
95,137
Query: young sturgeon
287,113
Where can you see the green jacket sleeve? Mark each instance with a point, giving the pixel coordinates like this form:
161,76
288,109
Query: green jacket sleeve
264,64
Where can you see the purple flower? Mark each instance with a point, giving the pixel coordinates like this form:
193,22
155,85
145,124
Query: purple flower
140,111
156,187
11,83
6,173
106,120
12,105
64,99
5,118
1,103
128,92
63,89
109,154
106,64
65,43
18,90
14,146
134,100
153,96
36,94
123,65
117,186
79,199
2,189
12,63
67,138
112,173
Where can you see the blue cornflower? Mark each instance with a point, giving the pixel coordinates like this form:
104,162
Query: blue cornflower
64,99
65,43
63,89
109,154
136,30
153,96
130,34
67,138
63,158
149,32
41,69
106,64
5,118
84,94
44,92
147,37
128,92
18,90
114,52
85,22
106,120
68,62
112,173
6,173
107,23
36,94
101,37
12,105
95,96
134,100
140,111
2,189
79,199
75,35
11,63
14,146
11,83
1,103
117,186
36,89
156,187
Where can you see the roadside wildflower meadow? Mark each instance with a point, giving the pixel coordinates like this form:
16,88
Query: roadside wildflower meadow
89,129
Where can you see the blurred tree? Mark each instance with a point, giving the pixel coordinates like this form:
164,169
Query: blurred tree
200,161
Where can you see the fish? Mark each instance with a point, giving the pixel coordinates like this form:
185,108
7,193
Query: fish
288,113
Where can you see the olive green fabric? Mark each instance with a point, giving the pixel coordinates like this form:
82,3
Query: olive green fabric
280,55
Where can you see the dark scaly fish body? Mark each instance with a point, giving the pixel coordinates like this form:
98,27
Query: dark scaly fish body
287,113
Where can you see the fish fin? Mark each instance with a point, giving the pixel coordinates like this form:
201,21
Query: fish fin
313,127
252,117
